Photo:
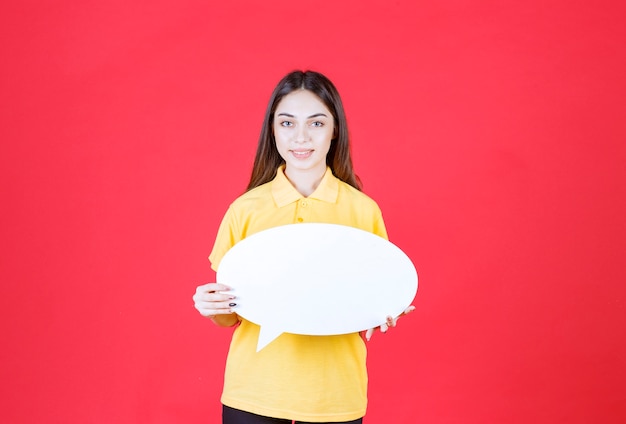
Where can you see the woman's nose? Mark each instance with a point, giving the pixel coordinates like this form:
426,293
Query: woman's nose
302,134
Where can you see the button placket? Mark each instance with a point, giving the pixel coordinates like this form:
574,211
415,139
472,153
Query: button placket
302,210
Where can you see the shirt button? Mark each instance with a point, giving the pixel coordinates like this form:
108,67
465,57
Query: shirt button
299,219
303,203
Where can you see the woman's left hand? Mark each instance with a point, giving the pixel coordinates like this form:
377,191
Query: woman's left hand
391,322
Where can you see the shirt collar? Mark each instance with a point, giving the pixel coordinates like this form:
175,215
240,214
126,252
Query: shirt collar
284,193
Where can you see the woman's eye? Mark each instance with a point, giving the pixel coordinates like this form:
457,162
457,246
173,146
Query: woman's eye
317,124
286,124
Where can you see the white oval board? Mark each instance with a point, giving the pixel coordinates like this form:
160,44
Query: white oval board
317,279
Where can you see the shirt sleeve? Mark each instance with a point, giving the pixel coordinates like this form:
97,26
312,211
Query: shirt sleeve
379,226
377,222
228,234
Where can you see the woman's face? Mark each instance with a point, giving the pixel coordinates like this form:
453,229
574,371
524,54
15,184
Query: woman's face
303,128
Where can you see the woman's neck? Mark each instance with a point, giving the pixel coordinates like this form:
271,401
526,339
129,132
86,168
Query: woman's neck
305,182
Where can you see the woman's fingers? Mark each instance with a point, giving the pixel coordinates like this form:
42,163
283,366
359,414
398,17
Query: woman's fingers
215,308
389,323
213,297
392,322
212,287
210,299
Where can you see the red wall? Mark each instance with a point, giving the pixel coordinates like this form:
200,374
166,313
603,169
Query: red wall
491,133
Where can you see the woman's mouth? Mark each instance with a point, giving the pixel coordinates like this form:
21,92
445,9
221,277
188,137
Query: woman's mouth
301,154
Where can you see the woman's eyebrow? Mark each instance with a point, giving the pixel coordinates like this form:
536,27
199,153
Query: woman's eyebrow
315,115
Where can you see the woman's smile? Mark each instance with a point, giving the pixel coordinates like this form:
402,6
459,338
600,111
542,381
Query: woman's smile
302,154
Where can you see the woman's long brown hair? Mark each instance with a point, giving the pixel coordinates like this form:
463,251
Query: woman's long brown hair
267,159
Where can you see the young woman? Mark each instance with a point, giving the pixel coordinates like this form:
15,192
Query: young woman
302,173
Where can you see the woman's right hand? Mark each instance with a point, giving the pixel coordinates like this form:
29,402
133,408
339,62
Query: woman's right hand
213,301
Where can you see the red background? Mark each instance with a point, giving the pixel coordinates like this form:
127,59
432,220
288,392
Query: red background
491,133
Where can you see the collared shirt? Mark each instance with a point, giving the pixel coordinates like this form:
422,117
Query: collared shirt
306,378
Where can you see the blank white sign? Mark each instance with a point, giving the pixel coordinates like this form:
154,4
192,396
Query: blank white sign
317,279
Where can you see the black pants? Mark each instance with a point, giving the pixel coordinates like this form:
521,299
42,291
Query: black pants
235,416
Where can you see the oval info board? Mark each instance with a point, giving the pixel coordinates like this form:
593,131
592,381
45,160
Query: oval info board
317,279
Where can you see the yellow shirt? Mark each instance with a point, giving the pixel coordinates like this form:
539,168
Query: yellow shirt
304,378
